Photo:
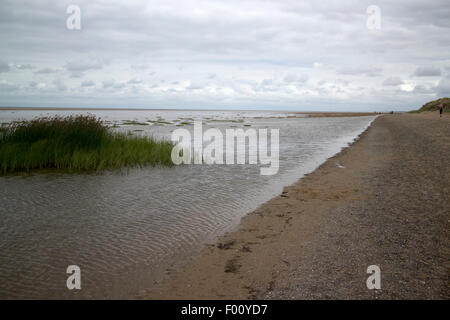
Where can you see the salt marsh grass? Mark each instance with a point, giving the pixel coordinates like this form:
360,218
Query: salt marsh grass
76,143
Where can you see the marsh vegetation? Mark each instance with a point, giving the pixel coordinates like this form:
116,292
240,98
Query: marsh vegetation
76,143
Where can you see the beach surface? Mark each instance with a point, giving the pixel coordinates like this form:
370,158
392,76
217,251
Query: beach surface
382,201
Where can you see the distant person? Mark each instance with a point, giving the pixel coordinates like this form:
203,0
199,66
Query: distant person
441,109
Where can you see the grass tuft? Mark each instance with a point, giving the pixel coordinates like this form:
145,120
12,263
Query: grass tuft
134,123
76,143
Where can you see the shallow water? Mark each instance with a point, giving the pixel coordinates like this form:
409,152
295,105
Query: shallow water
125,229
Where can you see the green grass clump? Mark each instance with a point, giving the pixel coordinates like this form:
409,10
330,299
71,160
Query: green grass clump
76,143
134,123
159,122
187,123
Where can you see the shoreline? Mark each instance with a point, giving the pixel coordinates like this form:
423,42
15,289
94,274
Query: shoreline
317,238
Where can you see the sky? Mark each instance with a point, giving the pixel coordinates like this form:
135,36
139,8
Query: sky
225,54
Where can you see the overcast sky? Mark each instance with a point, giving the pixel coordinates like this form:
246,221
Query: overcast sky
225,54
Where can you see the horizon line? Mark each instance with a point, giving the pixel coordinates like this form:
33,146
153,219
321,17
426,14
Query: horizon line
174,109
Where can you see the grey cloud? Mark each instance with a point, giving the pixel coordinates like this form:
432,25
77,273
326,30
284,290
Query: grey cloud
392,81
24,66
266,85
343,82
292,78
77,75
82,66
240,40
134,81
427,72
194,86
88,83
8,87
443,86
46,71
139,67
119,85
113,84
107,83
423,89
360,70
4,67
59,85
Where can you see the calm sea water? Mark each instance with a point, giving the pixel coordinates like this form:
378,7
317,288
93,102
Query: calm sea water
126,229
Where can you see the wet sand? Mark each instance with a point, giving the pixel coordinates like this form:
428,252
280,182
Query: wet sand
382,201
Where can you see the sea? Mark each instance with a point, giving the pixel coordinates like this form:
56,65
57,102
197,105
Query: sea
127,229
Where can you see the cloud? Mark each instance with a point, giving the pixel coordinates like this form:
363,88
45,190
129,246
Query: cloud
360,70
427,72
119,85
194,86
4,67
293,78
422,89
46,71
36,85
6,86
342,82
88,83
59,85
139,67
82,66
135,81
392,81
107,83
277,49
443,86
77,75
24,66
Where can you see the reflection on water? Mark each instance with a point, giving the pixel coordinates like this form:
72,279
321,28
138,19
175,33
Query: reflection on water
125,229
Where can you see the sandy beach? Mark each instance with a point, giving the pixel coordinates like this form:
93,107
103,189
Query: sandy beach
382,201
